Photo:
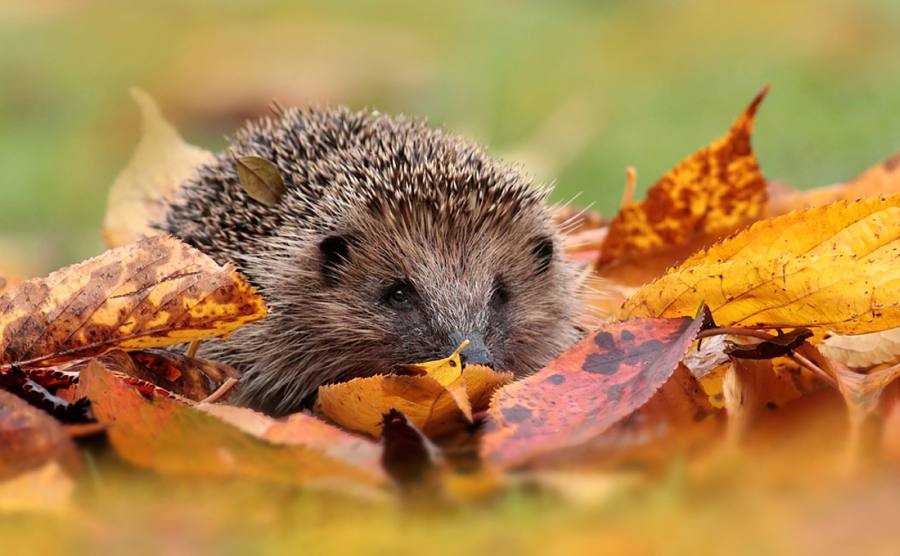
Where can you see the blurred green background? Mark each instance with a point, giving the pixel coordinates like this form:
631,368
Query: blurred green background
575,90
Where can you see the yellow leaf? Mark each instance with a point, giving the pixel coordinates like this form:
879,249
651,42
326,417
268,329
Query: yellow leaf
448,373
707,195
160,164
156,292
835,267
360,404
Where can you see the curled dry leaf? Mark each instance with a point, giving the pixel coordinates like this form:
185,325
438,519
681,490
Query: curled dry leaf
157,431
713,192
882,179
601,380
836,267
161,163
152,293
863,350
30,438
359,404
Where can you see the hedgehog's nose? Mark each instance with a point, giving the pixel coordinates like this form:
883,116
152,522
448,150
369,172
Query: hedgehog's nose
476,353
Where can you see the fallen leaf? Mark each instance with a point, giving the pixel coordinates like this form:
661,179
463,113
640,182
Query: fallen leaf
359,404
882,179
152,293
448,373
777,346
156,431
834,267
30,438
863,350
162,162
712,193
598,382
260,179
409,457
190,377
7,283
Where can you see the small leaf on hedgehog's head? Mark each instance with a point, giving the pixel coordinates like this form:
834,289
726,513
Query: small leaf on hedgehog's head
260,179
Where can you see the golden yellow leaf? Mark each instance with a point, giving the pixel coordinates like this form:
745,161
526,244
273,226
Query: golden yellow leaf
156,292
448,373
162,162
835,267
360,404
711,193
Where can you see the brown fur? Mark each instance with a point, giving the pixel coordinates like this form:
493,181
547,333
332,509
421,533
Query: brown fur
374,204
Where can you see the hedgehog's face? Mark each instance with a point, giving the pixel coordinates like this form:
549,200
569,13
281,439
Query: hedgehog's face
413,293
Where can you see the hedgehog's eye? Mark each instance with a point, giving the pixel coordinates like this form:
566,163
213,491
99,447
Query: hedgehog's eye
500,293
399,296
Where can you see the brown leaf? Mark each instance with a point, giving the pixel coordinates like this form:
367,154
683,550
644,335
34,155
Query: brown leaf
161,163
29,438
260,179
706,196
155,430
192,378
152,293
778,346
579,396
409,457
360,404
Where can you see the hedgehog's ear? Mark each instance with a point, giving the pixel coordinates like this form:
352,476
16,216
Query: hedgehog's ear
542,249
334,254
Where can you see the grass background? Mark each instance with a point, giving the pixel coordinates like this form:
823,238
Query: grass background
575,90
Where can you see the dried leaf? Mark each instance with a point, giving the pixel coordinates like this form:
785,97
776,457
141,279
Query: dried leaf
30,438
863,350
834,267
448,373
152,293
359,404
154,430
192,378
409,457
260,179
882,179
579,396
711,193
778,346
161,163
7,283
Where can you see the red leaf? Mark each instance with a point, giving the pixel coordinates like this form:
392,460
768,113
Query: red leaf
598,382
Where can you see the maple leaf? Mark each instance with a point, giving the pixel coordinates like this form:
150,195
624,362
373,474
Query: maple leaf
836,266
709,194
575,399
142,192
156,292
361,403
155,429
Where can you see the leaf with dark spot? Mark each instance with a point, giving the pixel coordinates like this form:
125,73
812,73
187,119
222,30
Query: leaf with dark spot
595,384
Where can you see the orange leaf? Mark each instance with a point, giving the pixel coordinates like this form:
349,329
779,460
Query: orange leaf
361,403
595,384
152,428
710,194
156,292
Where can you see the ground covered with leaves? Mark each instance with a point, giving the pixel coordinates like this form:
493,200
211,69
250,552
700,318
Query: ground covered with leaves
735,390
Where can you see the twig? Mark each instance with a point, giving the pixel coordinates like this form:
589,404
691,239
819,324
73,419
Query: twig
82,430
628,192
221,391
192,348
816,370
735,331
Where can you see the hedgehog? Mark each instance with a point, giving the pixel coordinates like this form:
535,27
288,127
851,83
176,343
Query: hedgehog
391,243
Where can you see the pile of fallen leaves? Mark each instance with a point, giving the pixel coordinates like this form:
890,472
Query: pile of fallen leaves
728,312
